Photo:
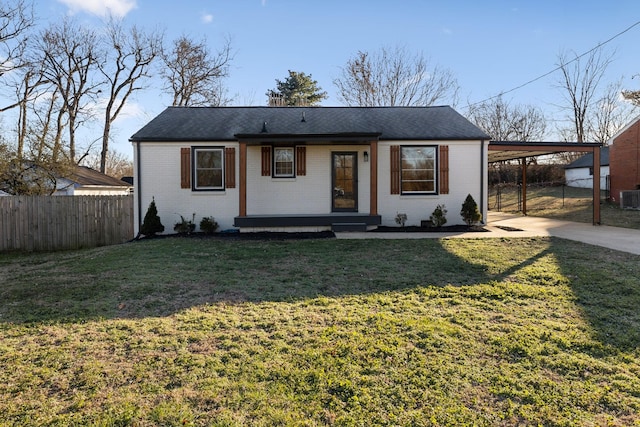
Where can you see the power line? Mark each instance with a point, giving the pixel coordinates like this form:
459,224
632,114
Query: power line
598,46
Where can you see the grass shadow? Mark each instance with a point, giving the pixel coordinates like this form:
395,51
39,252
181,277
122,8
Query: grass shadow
602,283
162,277
606,289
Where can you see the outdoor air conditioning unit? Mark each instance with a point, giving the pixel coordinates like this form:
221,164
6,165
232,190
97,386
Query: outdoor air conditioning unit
630,199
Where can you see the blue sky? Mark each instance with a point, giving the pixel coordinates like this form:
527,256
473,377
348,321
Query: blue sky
490,46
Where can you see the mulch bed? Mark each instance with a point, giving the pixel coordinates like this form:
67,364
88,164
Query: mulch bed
416,229
234,235
274,236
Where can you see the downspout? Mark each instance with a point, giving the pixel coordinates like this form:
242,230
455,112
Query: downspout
138,188
483,165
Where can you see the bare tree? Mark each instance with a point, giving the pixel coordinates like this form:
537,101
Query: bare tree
27,90
632,96
193,75
505,122
118,165
130,54
35,172
70,58
16,21
610,115
16,18
394,77
580,80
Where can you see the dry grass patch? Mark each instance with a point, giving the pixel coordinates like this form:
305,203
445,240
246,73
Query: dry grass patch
565,203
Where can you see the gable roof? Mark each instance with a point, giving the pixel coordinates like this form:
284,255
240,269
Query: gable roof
586,161
83,175
233,123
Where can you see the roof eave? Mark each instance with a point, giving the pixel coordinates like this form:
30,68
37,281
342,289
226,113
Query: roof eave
258,138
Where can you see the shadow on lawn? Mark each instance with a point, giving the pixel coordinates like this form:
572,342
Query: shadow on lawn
161,278
604,285
606,288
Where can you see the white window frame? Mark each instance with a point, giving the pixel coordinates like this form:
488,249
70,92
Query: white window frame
275,162
433,156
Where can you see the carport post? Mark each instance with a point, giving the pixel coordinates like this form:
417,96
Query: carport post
524,185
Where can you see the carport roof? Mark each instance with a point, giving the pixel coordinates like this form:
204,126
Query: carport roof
510,150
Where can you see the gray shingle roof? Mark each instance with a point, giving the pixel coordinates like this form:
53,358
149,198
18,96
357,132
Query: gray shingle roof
226,123
586,161
87,176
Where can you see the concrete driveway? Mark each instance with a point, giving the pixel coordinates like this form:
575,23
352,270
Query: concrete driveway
509,225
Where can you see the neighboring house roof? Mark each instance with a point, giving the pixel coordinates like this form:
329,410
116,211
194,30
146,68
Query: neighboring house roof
233,123
586,161
86,176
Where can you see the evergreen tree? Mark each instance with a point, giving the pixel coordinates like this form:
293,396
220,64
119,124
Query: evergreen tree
151,224
298,89
470,212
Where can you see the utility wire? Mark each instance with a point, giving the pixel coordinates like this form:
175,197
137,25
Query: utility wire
559,67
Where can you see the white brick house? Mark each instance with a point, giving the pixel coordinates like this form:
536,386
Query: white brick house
308,168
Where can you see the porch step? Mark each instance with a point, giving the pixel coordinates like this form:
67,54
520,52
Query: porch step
349,226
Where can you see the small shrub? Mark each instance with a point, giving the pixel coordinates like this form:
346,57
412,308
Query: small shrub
470,213
438,217
185,226
151,223
208,225
401,218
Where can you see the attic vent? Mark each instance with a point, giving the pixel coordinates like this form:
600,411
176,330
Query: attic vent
630,199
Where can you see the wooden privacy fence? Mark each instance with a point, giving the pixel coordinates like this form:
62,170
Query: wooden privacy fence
46,223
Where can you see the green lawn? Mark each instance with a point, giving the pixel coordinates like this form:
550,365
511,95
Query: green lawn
208,332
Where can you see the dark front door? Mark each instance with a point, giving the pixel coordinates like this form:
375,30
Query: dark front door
344,182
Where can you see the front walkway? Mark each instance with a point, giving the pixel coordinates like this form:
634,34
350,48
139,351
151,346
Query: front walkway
509,225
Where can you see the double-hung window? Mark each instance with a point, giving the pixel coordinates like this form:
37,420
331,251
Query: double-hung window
209,168
418,170
283,162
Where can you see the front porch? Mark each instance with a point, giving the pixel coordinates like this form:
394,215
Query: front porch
335,221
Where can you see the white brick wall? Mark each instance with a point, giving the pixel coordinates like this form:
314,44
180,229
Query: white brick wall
310,194
464,178
160,168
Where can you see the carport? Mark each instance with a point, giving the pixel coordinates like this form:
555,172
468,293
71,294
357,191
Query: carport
500,151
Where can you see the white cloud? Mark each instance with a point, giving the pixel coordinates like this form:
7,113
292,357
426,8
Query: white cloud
207,18
447,31
118,8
